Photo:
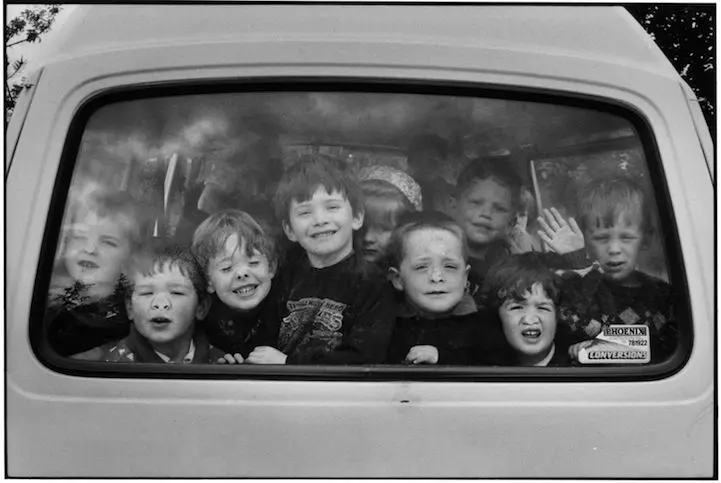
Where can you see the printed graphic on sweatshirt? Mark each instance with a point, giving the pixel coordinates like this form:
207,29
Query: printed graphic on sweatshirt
325,315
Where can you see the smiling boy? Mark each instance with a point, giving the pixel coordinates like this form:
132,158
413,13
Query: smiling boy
166,295
240,260
332,310
437,323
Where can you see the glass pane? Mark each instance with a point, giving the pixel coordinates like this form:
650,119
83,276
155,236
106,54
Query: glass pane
360,228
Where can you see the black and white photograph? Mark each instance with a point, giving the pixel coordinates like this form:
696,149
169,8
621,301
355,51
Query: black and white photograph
360,240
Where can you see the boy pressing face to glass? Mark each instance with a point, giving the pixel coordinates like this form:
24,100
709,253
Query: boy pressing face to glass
437,323
240,260
165,298
525,292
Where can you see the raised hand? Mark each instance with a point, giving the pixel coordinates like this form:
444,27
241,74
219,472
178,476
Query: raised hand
519,239
561,236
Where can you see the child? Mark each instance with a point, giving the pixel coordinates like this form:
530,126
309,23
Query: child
487,199
437,323
524,292
165,297
389,193
331,310
86,305
424,155
616,221
240,261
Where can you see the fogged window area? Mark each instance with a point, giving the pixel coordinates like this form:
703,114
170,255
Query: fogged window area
351,228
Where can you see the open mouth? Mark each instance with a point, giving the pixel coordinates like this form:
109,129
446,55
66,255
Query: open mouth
245,290
436,293
614,266
87,264
324,234
162,321
531,334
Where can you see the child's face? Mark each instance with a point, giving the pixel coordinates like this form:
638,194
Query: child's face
323,226
433,273
375,242
483,210
164,306
241,281
96,250
530,324
616,247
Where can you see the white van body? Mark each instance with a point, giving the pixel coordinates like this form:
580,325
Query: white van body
69,425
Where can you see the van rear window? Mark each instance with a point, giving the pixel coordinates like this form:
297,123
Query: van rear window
384,231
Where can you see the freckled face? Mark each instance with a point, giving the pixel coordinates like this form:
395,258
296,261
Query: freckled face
483,210
323,226
433,272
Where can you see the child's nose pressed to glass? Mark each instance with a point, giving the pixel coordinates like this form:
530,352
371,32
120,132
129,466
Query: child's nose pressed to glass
164,307
530,325
241,280
324,227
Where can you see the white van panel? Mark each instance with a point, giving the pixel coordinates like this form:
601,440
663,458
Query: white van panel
60,425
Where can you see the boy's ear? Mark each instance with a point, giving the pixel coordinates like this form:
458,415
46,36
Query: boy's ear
358,220
395,277
289,232
211,287
203,308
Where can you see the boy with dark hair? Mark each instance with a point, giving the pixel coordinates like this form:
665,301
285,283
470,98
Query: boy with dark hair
437,323
486,201
332,310
525,293
240,260
165,297
616,221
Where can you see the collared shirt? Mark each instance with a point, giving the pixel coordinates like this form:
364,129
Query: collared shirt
187,359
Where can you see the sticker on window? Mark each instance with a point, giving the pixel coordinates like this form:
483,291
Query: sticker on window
618,343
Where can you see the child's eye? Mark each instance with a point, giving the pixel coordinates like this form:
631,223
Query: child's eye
545,308
177,292
628,238
254,263
111,243
420,267
515,307
450,266
144,293
226,269
501,209
600,238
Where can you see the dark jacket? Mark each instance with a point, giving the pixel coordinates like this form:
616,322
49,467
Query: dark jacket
341,314
466,336
240,332
74,325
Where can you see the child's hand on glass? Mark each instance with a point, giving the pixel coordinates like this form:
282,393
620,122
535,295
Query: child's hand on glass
561,236
230,359
576,348
422,354
266,355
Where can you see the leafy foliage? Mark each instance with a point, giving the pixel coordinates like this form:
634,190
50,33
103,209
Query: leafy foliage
28,27
686,34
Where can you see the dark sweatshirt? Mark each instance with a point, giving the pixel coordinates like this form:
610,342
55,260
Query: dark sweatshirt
466,336
342,314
